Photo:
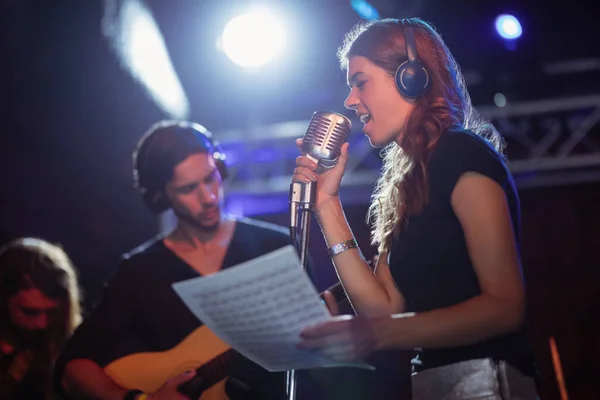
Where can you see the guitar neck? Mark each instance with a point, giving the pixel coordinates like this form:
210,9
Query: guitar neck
210,374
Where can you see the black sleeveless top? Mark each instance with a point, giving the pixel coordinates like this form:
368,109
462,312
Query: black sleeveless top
430,262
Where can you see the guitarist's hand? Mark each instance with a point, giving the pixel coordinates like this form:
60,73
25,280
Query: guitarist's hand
331,303
169,390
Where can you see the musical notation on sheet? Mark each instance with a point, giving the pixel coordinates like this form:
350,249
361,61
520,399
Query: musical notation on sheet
259,308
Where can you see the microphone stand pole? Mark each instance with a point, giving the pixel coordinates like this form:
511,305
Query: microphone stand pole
302,196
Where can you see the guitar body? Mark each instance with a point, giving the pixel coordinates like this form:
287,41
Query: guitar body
150,370
202,350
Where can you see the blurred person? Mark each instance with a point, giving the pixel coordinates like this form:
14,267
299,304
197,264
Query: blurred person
445,218
39,310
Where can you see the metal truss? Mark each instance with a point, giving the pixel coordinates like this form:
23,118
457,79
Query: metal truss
549,142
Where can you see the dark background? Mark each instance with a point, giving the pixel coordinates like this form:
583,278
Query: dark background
71,115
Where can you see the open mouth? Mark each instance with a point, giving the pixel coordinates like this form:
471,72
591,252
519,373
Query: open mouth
365,119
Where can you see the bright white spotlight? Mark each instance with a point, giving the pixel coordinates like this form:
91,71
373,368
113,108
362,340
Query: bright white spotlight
253,39
134,34
508,26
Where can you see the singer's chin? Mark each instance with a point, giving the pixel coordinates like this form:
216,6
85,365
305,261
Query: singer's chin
376,144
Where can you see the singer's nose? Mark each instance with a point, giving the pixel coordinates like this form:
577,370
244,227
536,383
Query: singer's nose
351,102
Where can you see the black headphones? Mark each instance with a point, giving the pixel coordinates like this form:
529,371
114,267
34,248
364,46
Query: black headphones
412,78
154,199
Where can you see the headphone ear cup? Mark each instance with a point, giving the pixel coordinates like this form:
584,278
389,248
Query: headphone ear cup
412,79
219,157
155,201
222,167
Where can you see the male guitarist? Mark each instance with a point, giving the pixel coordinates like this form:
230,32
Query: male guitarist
177,165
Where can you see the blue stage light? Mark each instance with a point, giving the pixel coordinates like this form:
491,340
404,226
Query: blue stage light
508,27
364,9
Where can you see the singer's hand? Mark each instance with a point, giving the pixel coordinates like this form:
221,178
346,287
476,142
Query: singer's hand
331,303
345,338
328,181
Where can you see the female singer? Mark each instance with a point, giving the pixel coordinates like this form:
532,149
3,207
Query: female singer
445,218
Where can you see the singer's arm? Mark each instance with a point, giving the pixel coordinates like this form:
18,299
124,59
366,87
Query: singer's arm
371,295
481,207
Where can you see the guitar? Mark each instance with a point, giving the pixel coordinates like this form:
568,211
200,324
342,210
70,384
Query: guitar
202,350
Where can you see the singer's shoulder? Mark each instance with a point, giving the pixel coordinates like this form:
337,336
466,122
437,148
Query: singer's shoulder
460,151
463,143
262,228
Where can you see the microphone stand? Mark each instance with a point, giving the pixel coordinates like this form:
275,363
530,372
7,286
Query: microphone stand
302,196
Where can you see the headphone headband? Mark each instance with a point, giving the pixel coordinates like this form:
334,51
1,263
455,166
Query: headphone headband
411,43
412,78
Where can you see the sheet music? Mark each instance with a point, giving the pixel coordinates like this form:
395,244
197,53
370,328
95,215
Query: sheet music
259,308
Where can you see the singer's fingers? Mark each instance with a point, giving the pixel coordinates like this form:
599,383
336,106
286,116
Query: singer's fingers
344,153
304,174
331,303
299,144
303,161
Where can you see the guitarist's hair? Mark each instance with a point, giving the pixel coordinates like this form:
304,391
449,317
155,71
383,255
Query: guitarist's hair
161,148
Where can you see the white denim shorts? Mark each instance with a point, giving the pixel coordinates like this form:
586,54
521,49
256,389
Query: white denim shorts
481,379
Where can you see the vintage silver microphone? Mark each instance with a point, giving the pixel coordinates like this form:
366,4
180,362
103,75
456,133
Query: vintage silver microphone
326,133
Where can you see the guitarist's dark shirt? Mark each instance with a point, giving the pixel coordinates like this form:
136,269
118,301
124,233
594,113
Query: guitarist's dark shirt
139,310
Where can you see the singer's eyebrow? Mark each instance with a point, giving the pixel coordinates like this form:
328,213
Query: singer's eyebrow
353,78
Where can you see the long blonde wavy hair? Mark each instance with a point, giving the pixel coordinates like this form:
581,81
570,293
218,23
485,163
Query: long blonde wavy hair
402,188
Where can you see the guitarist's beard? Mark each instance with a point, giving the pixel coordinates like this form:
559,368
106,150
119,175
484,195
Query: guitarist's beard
196,223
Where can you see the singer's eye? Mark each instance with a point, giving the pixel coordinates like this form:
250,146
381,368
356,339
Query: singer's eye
360,85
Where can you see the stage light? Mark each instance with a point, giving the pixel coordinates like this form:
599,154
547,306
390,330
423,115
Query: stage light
500,100
253,39
364,9
135,36
508,26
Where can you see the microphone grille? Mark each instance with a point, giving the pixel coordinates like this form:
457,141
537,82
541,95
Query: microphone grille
326,133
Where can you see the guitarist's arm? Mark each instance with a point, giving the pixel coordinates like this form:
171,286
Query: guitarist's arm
78,370
84,379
